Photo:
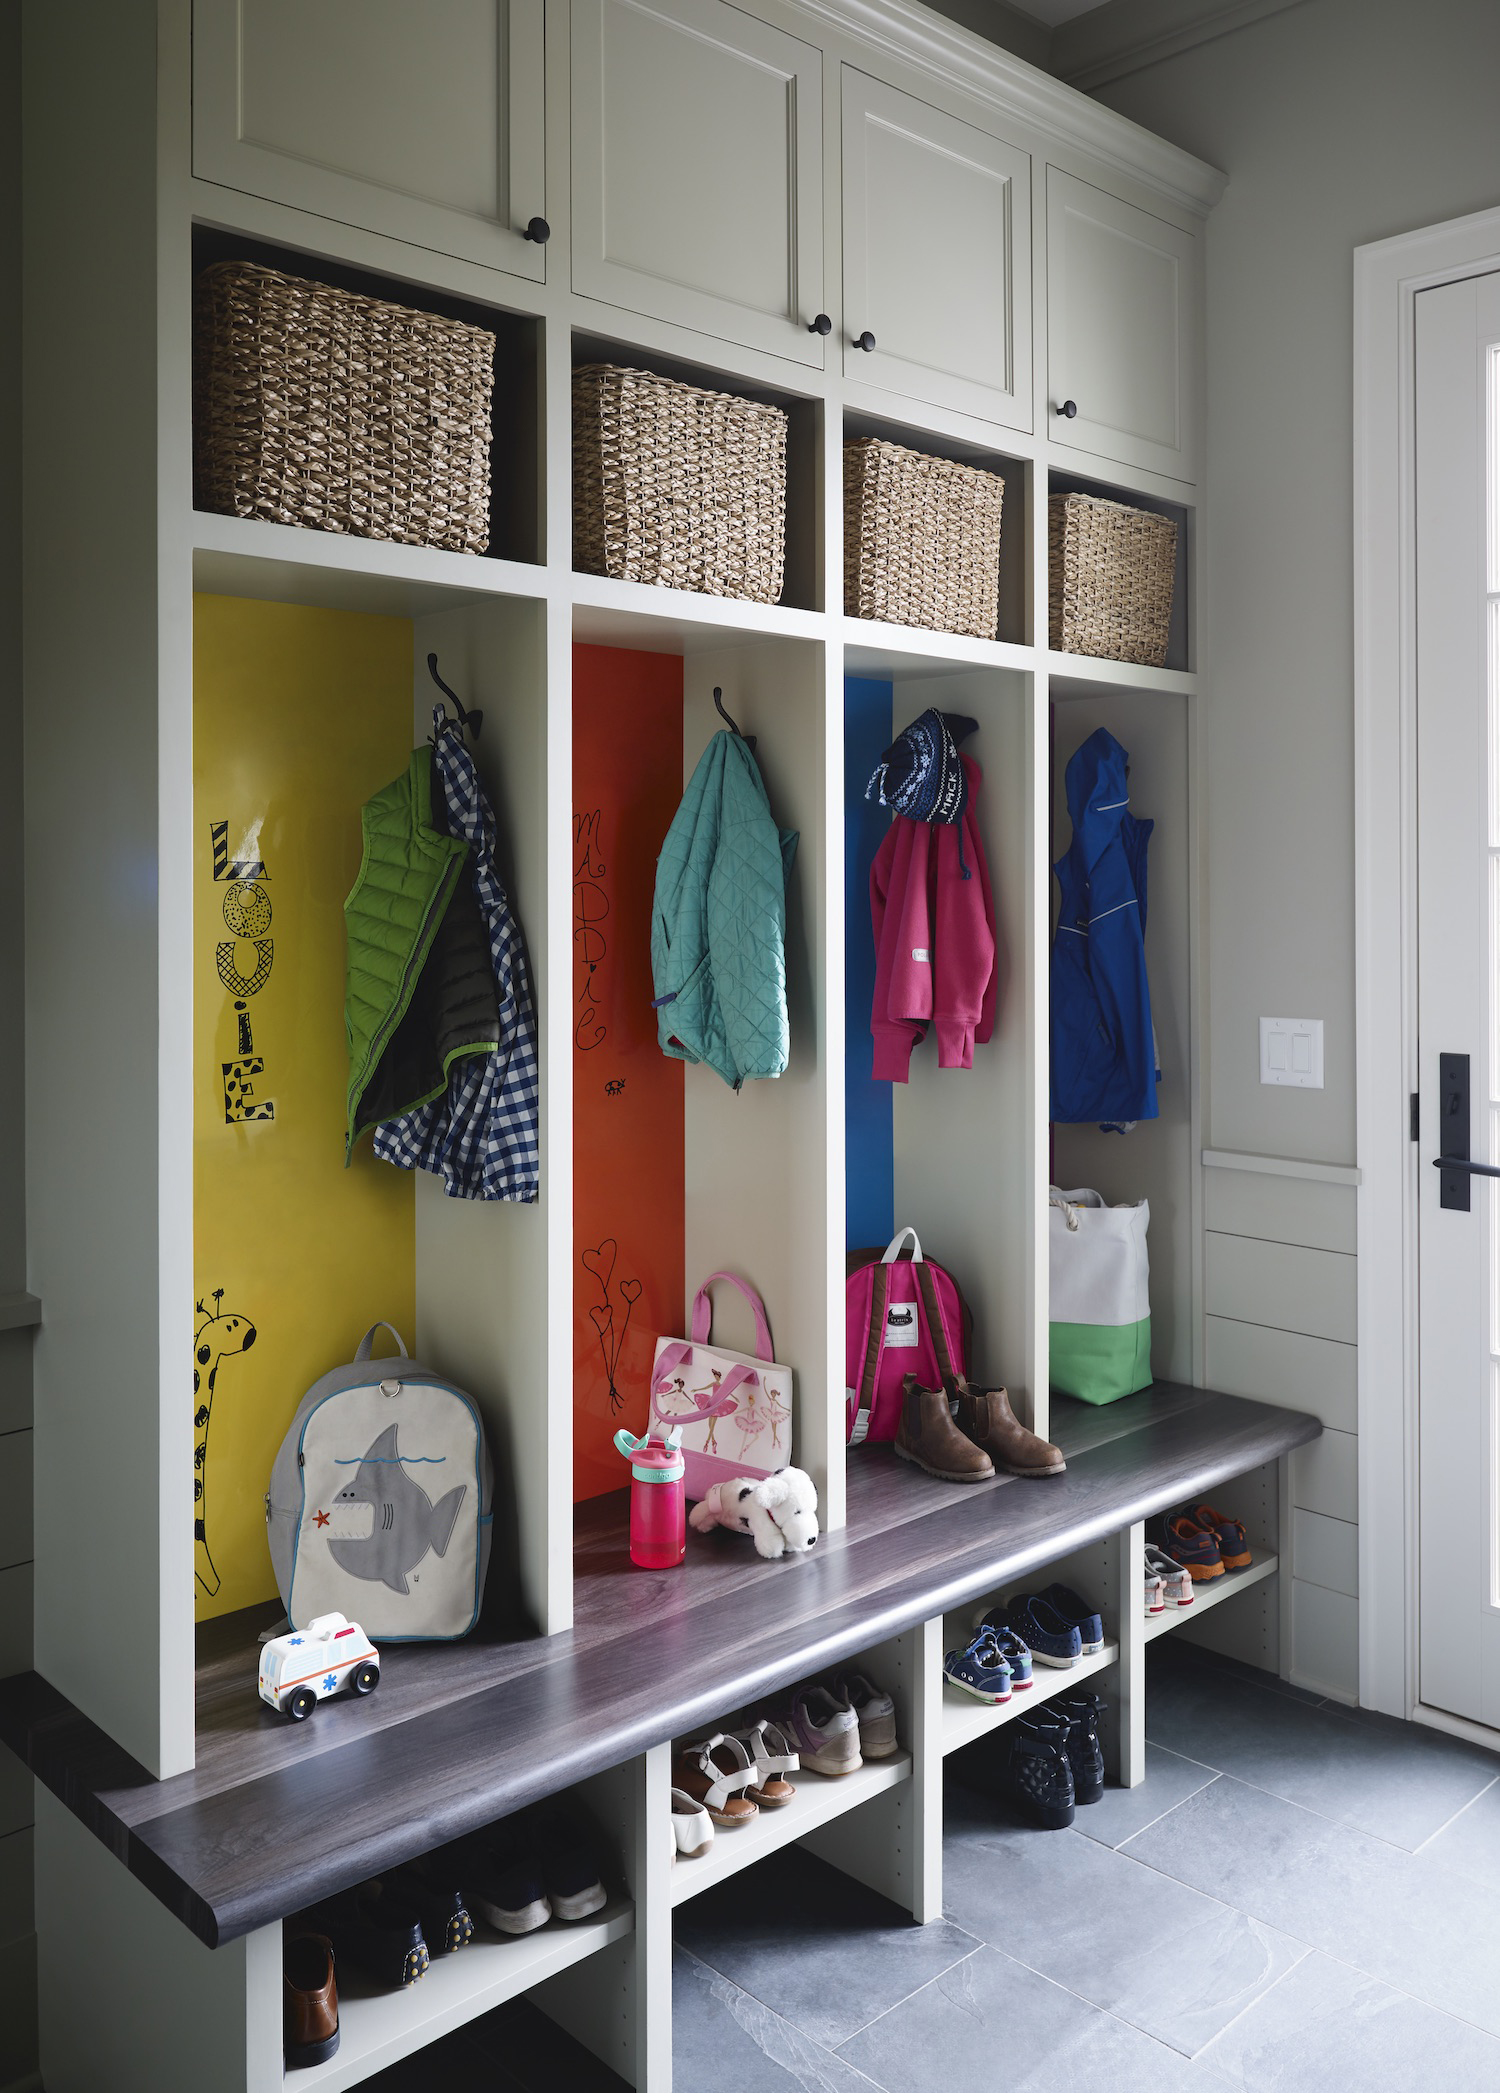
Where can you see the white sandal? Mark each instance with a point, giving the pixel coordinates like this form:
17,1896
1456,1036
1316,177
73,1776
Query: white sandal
718,1786
692,1827
771,1749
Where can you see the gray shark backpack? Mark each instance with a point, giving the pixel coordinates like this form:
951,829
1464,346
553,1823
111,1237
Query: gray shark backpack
381,1501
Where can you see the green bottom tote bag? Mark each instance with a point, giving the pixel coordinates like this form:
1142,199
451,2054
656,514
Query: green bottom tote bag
1101,1296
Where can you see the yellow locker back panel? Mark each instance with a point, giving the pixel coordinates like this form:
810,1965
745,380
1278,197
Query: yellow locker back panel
299,716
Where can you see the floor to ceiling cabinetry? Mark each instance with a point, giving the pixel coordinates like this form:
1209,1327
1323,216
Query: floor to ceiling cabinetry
690,187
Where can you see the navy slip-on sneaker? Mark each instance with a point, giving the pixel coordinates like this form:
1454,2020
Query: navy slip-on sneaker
505,1882
565,1851
1089,1624
1050,1639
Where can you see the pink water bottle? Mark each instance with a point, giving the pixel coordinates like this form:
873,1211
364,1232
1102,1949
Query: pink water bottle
658,1505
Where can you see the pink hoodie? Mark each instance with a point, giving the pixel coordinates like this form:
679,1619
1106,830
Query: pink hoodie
935,954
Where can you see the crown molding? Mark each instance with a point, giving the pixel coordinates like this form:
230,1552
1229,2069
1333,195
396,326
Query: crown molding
998,22
905,30
1111,42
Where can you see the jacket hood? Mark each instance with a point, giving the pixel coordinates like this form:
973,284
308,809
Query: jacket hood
1098,790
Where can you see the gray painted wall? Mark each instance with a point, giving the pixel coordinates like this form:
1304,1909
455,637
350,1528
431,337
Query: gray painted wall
17,1942
1338,122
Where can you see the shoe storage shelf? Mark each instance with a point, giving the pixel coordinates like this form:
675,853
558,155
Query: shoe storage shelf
1044,252
263,1827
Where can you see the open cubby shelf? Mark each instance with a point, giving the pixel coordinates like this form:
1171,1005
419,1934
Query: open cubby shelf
965,1718
819,1801
1214,1592
379,2027
515,530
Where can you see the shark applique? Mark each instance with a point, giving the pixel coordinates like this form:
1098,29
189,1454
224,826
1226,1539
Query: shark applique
405,1524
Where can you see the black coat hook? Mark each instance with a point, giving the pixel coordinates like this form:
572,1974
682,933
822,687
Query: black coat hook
748,739
473,721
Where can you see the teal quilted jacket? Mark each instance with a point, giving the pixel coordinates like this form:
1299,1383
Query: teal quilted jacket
718,927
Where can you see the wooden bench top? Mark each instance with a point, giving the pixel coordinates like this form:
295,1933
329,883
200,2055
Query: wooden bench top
275,1815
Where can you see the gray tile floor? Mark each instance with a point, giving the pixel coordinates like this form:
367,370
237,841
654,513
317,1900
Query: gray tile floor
1299,1896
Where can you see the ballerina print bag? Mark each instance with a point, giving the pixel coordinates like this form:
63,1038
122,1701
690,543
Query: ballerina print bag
735,1412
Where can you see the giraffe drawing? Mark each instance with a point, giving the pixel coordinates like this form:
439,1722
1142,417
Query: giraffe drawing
218,1337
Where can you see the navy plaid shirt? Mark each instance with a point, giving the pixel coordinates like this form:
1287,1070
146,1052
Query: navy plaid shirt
480,1135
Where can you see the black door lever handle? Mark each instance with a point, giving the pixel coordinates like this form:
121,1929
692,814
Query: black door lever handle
1463,1163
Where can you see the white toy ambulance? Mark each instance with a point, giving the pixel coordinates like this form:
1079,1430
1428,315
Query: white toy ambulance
300,1669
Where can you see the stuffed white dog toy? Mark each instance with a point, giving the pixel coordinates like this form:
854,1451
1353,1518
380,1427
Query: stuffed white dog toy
780,1512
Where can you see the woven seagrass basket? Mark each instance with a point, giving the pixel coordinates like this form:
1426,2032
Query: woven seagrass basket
1110,573
676,485
337,412
921,539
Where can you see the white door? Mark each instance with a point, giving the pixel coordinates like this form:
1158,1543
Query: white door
1122,320
698,170
424,123
937,256
1458,976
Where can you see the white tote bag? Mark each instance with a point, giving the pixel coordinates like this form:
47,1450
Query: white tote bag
1101,1296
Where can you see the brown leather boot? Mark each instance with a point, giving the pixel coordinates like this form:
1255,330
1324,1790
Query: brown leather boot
929,1437
985,1416
309,2002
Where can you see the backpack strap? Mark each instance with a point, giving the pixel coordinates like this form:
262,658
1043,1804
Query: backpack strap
880,1285
936,1328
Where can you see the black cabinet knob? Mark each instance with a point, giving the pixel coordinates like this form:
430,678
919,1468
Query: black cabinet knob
539,230
1068,408
821,325
865,341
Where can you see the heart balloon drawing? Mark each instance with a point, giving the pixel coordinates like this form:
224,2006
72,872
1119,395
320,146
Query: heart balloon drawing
599,1263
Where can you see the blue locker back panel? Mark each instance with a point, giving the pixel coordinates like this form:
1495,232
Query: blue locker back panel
869,1171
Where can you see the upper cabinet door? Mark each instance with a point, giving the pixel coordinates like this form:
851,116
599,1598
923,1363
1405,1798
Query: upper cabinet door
698,170
937,256
422,123
1122,329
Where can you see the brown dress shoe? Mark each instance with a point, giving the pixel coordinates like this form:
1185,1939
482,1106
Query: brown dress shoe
309,2001
928,1436
984,1415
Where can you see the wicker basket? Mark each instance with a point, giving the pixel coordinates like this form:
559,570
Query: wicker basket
1110,574
677,486
921,540
337,412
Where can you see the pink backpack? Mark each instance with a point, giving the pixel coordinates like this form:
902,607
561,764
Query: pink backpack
902,1315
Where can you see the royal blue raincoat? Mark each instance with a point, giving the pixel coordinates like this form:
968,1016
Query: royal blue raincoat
1103,1049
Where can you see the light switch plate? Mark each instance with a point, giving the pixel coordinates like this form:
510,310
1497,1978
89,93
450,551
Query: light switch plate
1291,1051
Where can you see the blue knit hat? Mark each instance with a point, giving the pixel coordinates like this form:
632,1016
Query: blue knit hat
921,774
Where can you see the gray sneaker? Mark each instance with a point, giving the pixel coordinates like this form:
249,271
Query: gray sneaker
875,1712
825,1733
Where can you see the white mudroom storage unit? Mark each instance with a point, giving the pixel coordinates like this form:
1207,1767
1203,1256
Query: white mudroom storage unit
854,210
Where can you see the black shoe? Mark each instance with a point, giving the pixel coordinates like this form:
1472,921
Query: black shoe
1030,1768
379,1928
1082,1712
430,1885
565,1851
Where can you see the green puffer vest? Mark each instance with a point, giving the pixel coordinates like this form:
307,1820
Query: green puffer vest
421,988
